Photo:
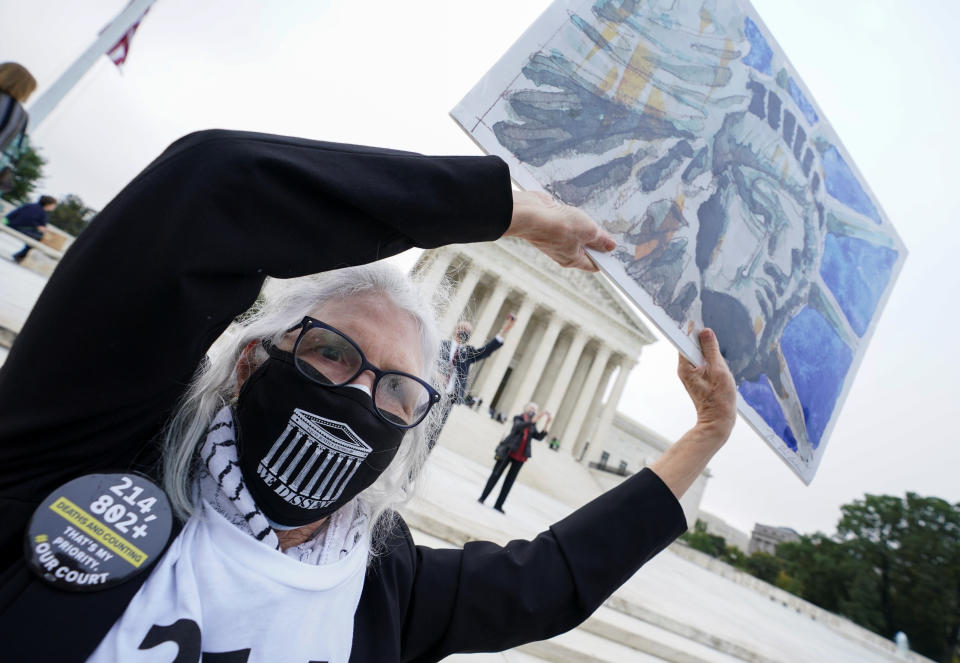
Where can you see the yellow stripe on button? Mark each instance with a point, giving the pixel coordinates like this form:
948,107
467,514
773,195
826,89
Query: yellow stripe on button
100,532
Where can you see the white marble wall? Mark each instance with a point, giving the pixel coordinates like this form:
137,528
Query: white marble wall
573,343
572,349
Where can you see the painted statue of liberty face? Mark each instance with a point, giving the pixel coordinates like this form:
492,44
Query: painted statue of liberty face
743,266
758,241
680,127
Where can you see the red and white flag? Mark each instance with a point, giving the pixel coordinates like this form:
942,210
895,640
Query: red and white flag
118,52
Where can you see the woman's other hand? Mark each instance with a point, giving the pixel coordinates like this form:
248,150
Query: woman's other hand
711,387
560,231
714,394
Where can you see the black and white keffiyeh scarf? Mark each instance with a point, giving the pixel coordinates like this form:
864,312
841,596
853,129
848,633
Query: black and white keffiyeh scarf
220,484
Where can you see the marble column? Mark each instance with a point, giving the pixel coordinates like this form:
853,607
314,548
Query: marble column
549,373
432,276
469,276
596,405
562,382
531,376
487,313
500,359
610,408
587,394
483,331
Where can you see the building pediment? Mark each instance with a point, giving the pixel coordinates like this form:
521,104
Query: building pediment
593,288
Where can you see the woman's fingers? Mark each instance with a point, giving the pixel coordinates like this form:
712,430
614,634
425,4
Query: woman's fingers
684,366
599,239
582,261
561,232
711,386
710,347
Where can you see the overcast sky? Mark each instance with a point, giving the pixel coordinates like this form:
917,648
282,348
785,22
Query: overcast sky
884,72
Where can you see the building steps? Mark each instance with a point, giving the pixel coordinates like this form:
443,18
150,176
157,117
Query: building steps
678,608
474,435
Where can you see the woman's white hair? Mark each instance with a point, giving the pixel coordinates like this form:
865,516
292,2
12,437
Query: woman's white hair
282,304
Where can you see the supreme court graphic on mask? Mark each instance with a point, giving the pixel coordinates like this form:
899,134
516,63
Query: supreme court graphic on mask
312,460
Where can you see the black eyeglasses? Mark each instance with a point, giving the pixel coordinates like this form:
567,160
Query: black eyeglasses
330,358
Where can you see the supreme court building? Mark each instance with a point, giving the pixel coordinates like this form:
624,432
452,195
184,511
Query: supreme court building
574,344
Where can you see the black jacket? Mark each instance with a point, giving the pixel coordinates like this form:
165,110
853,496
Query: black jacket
467,355
130,312
514,438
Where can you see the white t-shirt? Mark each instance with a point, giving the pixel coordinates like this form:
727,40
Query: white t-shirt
217,589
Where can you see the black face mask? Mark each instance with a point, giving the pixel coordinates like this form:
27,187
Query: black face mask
306,450
462,337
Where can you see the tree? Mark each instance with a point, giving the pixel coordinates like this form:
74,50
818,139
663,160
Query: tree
700,539
821,566
872,528
28,170
906,569
927,582
893,565
71,215
764,566
715,546
735,557
788,583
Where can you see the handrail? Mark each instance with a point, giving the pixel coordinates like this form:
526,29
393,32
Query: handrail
32,243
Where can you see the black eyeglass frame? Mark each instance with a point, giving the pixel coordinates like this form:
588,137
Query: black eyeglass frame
309,323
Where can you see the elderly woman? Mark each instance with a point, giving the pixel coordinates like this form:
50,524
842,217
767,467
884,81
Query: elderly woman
285,455
514,450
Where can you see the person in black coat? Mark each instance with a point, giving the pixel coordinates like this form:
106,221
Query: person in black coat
135,392
514,450
456,359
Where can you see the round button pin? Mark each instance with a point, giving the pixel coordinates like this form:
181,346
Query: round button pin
98,530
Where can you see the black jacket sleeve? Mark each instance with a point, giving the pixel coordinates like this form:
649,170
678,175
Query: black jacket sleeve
490,598
491,346
182,250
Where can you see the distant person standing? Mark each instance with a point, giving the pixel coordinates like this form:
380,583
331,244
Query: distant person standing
30,220
456,358
16,85
514,451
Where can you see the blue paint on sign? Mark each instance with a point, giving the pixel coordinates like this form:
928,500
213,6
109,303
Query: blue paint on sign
818,360
760,55
761,398
857,273
843,185
802,102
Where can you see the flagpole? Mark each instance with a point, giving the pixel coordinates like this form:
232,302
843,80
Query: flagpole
53,95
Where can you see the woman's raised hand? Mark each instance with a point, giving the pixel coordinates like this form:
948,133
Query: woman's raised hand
711,387
714,394
560,231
